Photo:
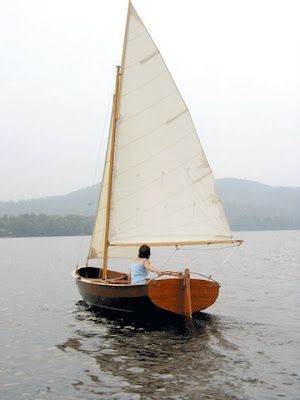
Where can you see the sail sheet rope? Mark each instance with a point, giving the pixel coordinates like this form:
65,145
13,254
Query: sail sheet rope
196,257
225,261
170,256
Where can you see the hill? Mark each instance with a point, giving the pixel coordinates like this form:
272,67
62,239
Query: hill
80,202
255,206
27,225
248,205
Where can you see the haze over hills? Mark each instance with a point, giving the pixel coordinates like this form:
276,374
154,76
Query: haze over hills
248,205
254,206
80,202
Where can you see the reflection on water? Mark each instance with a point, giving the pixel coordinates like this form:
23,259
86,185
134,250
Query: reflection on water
55,348
162,321
160,358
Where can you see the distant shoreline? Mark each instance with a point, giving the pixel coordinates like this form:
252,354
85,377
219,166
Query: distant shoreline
42,225
248,205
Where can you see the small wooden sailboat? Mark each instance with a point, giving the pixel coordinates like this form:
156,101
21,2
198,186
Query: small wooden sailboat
157,188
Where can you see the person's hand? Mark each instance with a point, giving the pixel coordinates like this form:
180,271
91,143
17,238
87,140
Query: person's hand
159,273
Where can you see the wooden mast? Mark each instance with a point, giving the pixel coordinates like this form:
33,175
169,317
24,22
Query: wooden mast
115,112
103,272
110,175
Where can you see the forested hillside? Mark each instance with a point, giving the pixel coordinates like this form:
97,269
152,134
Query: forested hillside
248,206
45,225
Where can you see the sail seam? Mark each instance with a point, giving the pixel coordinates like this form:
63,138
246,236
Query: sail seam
213,214
158,203
144,84
176,116
154,155
181,192
162,201
146,134
146,59
149,107
154,180
136,37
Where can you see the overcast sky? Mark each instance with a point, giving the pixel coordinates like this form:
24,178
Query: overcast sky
236,63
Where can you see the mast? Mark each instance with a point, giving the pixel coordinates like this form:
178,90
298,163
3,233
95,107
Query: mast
112,150
164,196
111,164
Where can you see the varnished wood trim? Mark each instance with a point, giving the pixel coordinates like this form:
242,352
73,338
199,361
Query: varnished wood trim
110,176
202,242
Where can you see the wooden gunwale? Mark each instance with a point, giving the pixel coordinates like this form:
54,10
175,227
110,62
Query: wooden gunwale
98,282
181,296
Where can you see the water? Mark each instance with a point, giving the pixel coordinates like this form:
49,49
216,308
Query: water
245,347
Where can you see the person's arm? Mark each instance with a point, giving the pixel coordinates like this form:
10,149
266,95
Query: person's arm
150,267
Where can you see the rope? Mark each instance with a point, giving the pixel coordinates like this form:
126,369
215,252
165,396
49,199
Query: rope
170,273
204,276
196,273
99,156
79,251
170,256
225,261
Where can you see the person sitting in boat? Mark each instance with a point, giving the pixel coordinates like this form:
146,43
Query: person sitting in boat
141,266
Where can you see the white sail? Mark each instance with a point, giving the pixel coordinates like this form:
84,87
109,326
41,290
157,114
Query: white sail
97,242
163,189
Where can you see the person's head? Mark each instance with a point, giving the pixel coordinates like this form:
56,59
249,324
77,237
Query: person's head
144,251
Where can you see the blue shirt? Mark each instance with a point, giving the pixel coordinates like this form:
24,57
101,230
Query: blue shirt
138,273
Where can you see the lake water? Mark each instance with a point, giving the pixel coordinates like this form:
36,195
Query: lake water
247,345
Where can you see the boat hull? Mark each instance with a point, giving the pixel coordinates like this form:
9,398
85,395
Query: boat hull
128,299
167,294
172,295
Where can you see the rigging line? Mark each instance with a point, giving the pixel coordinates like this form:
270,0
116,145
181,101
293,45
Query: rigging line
226,259
100,153
170,256
193,259
214,249
205,276
79,250
104,130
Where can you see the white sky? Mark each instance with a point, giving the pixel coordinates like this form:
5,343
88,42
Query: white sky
236,63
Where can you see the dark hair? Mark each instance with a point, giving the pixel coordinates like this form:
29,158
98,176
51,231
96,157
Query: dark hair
144,251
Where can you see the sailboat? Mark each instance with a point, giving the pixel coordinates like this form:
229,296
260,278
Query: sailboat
157,189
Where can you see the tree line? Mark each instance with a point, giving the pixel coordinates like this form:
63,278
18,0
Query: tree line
27,225
30,225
